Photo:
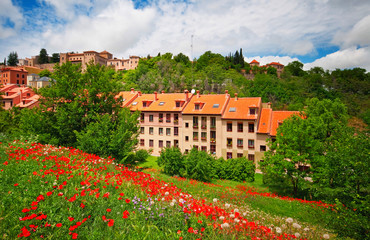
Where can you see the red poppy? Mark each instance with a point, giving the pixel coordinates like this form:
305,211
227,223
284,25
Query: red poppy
58,225
74,235
128,200
71,219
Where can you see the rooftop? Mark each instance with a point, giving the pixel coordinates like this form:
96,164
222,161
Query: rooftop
239,108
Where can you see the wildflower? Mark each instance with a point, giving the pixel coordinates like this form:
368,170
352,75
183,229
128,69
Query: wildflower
166,193
190,230
326,236
297,235
71,219
306,229
109,210
222,218
74,235
215,200
127,200
296,225
58,225
289,220
232,215
82,205
227,205
125,214
111,223
278,230
225,225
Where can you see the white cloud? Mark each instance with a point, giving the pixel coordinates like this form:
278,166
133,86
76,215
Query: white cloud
69,9
11,14
268,59
347,58
358,35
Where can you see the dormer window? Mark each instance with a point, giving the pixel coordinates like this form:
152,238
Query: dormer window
197,106
144,104
252,111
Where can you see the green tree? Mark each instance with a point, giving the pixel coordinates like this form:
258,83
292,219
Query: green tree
55,58
172,161
45,73
199,165
295,68
43,57
182,58
13,59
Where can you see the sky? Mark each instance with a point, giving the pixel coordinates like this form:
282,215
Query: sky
326,33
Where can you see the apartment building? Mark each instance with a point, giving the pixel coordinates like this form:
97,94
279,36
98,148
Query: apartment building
202,124
86,57
13,76
124,64
22,97
161,119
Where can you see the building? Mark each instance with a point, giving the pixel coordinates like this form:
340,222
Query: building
14,96
278,66
224,126
11,75
31,78
161,119
124,64
40,82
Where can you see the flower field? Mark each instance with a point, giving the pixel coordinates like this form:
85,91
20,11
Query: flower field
52,192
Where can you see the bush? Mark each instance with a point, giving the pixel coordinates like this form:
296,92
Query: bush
135,158
172,161
199,165
238,169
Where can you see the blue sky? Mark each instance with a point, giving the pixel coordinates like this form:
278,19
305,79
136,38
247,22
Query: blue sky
326,33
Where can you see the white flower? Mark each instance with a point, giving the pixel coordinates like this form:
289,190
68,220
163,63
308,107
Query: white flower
236,210
163,199
232,215
171,204
289,220
306,229
236,220
181,200
296,225
215,200
227,205
222,217
151,202
149,208
278,230
225,225
166,193
244,222
326,236
297,235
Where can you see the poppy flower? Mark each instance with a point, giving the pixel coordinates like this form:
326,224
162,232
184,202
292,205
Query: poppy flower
58,225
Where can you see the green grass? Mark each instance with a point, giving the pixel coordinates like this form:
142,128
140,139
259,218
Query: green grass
151,162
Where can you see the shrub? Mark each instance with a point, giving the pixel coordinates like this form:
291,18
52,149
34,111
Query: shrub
172,161
199,165
238,169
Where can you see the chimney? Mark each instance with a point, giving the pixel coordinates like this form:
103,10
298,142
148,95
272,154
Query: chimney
198,94
132,90
268,105
155,96
227,94
139,92
186,95
236,96
162,91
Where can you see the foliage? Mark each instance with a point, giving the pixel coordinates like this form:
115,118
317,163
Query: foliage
43,56
45,73
13,59
198,165
135,158
80,106
172,161
236,169
55,58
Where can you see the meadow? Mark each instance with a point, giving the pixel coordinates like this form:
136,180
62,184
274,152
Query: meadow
50,192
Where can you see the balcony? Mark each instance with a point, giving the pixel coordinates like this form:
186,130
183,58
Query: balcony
213,140
213,127
240,145
204,138
204,126
160,120
195,126
195,138
229,145
176,121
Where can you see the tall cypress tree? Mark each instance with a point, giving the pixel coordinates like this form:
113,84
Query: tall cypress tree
241,61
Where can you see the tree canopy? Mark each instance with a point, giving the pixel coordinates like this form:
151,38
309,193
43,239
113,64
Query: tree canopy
13,59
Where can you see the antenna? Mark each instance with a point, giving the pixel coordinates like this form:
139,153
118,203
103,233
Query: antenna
192,61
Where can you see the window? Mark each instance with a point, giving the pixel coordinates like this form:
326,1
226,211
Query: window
213,122
204,148
250,143
151,143
17,75
229,142
142,130
22,75
186,151
252,111
176,131
251,127
195,146
186,125
176,118
160,143
142,116
216,105
240,127
160,131
240,142
168,117
168,144
232,109
251,157
195,122
144,104
195,136
229,155
203,136
151,131
213,149
239,155
160,119
186,138
176,143
204,123
262,148
141,142
178,104
161,103
229,127
213,136
197,106
150,118
168,131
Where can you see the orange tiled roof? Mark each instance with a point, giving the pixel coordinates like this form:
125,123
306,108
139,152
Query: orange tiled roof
275,63
127,97
254,61
208,104
164,102
265,121
279,117
238,108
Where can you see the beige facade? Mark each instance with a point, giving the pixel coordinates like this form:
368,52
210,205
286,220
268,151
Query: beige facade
124,64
